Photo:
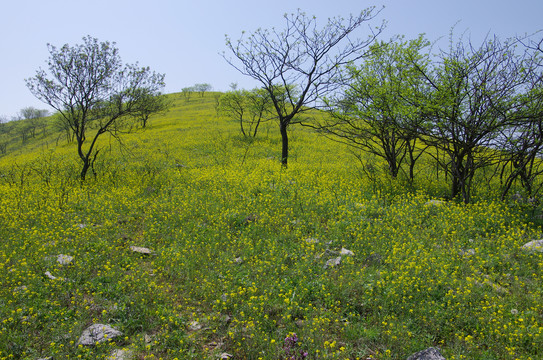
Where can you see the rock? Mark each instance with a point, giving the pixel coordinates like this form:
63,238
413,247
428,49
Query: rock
20,289
312,241
50,276
47,358
238,260
332,262
195,326
434,203
225,356
97,333
468,252
64,259
141,250
536,245
428,354
346,252
121,354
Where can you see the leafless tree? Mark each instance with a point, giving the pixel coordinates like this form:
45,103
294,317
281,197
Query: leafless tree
303,59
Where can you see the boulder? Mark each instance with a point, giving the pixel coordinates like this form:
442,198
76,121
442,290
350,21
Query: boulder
332,262
536,245
98,333
428,354
64,259
121,354
141,250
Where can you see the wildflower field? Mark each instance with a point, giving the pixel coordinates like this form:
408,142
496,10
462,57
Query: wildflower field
244,254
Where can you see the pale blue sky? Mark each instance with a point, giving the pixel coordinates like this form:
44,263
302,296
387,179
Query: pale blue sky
183,38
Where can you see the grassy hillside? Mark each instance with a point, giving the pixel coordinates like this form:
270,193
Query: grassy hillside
240,249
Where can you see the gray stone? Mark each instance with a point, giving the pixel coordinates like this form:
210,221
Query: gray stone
64,259
333,262
468,252
97,333
141,250
428,354
536,245
346,252
121,354
434,203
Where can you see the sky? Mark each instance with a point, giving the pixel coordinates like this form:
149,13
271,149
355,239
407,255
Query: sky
185,39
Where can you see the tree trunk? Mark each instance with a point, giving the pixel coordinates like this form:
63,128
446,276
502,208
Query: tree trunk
86,166
284,138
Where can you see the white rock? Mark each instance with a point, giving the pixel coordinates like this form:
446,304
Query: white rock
195,326
536,245
50,276
428,354
98,333
434,203
346,252
120,354
332,262
312,241
141,250
225,356
64,259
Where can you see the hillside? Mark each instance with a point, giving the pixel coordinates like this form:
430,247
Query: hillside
193,242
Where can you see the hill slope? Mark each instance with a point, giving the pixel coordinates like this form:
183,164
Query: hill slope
244,253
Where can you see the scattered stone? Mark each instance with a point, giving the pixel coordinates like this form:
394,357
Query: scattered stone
536,245
333,262
121,354
428,354
81,226
434,203
148,339
97,333
346,252
312,241
141,250
225,356
20,289
50,276
195,326
64,259
468,252
238,260
47,358
226,319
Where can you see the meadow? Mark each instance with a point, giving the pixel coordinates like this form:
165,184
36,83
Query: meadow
240,248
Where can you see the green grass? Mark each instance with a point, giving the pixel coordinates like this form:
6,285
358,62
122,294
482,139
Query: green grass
233,270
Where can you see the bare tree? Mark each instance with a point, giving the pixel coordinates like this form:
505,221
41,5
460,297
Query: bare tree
248,108
93,92
34,119
303,59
